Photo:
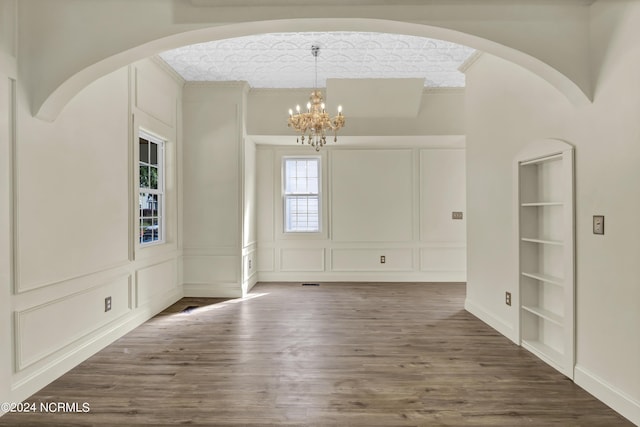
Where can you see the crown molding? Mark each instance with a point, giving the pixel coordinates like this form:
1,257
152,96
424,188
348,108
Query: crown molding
470,61
235,83
168,69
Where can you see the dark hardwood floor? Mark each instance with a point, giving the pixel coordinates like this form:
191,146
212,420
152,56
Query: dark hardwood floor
340,354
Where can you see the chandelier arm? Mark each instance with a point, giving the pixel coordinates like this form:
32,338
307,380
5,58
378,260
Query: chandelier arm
313,124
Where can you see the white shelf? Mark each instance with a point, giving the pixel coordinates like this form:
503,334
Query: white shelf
545,213
545,314
536,204
544,278
542,241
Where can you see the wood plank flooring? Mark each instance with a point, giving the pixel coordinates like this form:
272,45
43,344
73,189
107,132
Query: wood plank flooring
339,354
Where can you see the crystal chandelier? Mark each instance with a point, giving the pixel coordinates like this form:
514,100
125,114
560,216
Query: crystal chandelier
313,124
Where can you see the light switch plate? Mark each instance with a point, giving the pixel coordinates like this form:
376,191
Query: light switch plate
598,224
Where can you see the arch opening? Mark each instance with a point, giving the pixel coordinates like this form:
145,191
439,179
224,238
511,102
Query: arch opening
53,100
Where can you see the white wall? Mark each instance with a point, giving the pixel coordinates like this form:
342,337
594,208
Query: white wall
73,216
507,107
8,72
393,202
219,193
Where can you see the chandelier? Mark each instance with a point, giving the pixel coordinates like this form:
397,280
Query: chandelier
313,123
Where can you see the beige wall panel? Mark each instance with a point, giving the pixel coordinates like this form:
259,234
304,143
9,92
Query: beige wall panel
265,195
372,195
156,92
266,259
155,280
369,259
203,269
73,208
211,167
442,191
443,259
303,259
47,328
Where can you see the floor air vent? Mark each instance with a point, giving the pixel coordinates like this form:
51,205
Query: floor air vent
311,284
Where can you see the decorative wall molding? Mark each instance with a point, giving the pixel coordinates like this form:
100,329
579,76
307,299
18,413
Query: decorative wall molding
168,69
73,324
213,290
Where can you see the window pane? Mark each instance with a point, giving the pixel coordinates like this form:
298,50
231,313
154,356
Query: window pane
312,185
154,154
144,150
302,213
301,169
144,176
301,186
312,168
301,176
155,229
153,177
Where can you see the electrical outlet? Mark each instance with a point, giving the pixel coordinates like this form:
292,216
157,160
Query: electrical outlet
598,224
383,259
107,304
507,298
456,215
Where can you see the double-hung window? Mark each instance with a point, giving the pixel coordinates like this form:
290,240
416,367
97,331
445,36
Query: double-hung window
151,189
301,188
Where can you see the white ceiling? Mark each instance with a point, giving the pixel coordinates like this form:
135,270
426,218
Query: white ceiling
284,60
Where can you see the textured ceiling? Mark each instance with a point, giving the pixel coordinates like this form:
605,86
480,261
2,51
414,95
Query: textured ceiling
284,60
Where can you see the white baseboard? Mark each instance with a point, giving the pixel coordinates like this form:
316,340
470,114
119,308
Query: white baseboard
496,323
213,290
618,400
72,356
431,276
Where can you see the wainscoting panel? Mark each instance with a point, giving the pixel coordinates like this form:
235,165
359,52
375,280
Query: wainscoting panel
307,259
155,280
44,329
266,259
208,269
443,259
370,259
153,94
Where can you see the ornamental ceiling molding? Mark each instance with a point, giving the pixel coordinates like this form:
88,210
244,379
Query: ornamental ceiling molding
281,60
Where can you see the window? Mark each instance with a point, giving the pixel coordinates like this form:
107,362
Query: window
151,189
301,177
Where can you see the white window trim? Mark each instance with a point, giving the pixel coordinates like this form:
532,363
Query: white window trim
284,196
161,142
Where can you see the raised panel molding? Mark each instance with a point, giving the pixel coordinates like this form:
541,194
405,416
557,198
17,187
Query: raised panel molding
307,259
368,260
155,280
266,259
443,259
357,213
151,95
67,319
207,269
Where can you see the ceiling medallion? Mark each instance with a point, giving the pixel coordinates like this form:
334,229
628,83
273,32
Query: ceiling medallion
313,123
